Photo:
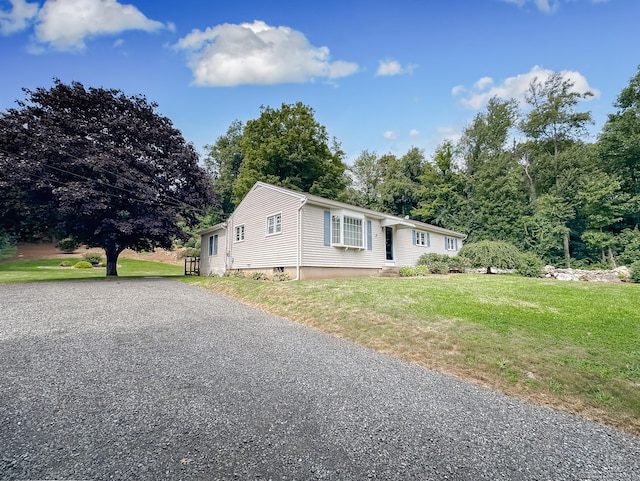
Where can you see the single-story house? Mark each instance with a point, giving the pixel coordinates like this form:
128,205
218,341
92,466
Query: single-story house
276,230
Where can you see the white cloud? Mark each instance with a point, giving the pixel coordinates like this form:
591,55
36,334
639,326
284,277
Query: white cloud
515,87
66,24
390,135
18,18
392,67
448,133
546,6
257,53
414,133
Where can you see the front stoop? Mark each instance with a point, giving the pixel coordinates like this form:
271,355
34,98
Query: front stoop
389,271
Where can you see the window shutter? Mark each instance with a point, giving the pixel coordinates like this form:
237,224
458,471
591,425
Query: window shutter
456,244
369,239
327,228
428,239
446,243
413,236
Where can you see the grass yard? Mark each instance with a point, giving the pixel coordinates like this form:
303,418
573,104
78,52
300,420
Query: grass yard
573,346
50,270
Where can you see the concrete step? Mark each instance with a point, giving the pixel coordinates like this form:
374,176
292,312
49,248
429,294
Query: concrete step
389,271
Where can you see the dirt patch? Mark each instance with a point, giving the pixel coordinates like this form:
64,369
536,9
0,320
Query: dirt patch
48,250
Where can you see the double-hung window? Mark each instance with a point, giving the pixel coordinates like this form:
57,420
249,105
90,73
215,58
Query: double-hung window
347,229
213,245
239,234
274,224
451,243
421,239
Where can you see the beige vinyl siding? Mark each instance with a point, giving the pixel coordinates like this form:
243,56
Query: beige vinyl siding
407,254
259,250
214,264
316,254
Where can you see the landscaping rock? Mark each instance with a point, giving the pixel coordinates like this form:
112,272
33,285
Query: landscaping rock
609,276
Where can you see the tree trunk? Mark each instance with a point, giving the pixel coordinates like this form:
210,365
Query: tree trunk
112,252
567,254
612,260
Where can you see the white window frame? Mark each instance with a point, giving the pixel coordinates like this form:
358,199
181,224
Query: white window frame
451,243
238,234
341,218
274,224
213,245
421,238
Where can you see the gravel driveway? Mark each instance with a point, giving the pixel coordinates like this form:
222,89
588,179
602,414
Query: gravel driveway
154,379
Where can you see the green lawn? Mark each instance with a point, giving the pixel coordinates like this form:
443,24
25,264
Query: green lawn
574,346
50,270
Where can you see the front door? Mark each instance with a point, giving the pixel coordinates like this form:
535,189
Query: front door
388,232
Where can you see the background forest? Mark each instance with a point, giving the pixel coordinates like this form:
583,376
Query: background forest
525,174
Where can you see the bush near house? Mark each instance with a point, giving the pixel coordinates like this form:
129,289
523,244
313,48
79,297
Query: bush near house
442,263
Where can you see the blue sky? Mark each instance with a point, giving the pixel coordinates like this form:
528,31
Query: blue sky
380,75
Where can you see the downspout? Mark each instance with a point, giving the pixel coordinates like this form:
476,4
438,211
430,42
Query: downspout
229,246
299,240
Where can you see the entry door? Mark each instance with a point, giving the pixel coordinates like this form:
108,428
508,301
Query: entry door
388,232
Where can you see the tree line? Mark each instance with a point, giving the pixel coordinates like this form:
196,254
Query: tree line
108,170
527,176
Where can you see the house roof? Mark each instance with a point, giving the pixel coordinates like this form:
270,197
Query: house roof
386,219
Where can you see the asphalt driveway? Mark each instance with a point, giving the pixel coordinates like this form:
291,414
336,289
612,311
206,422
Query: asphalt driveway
154,379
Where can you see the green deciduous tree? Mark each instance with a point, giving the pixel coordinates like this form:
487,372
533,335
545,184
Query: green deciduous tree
223,161
619,143
399,191
100,166
494,185
442,191
553,121
367,178
288,147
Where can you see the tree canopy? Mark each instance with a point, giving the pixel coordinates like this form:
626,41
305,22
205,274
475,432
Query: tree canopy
288,147
526,175
98,165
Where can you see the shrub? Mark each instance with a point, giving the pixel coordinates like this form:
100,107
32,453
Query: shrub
530,265
92,258
259,276
422,271
487,254
65,264
238,274
407,271
280,277
442,263
427,259
68,245
635,272
439,267
83,265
